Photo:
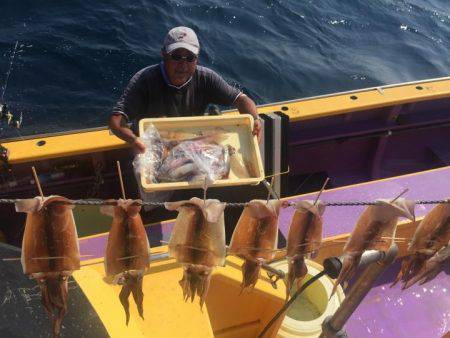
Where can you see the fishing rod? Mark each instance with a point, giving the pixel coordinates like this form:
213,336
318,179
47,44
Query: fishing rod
7,116
5,113
9,71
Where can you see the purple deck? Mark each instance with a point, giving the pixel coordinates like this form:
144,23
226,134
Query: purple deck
421,310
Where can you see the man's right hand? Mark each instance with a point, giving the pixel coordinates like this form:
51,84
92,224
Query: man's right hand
119,127
138,146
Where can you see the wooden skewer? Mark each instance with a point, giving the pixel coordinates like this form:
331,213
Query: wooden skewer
36,179
11,259
403,192
59,257
187,246
39,258
119,171
278,174
399,238
250,248
128,257
321,190
44,258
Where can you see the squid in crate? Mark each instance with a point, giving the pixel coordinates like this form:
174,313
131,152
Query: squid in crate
196,160
304,240
255,238
50,251
432,234
374,230
198,242
127,252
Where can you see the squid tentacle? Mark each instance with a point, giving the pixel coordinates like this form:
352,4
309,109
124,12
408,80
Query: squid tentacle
349,266
250,271
138,295
123,296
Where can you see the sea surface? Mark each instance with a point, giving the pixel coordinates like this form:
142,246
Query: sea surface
74,58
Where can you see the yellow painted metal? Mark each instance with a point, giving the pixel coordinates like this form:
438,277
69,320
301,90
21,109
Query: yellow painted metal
226,314
81,142
234,314
165,312
63,145
312,108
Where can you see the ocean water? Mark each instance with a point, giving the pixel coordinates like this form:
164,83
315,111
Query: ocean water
75,57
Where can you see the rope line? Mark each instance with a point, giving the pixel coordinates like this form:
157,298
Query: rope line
228,204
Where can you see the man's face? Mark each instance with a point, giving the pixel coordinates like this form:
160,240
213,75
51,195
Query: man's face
180,65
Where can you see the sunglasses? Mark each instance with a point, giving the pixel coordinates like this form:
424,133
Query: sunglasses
188,58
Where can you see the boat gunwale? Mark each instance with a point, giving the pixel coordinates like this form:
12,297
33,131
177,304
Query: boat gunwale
299,100
353,91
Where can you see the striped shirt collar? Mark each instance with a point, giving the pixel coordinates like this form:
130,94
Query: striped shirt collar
166,77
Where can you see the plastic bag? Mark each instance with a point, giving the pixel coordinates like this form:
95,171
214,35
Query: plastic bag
150,161
196,160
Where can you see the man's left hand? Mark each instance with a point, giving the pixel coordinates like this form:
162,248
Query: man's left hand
257,126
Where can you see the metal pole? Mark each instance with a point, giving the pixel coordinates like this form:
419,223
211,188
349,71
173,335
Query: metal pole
332,325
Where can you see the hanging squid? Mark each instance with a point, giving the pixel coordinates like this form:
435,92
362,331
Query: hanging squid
304,240
127,252
198,242
50,251
255,238
374,230
432,234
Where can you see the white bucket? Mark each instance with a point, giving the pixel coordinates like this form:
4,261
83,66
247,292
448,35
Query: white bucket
305,316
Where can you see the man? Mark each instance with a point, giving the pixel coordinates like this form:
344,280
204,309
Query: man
179,87
175,87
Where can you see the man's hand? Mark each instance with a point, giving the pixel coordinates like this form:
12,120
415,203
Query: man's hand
257,126
118,126
138,146
245,105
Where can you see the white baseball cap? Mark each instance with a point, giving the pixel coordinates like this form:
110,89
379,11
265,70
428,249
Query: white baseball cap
181,37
